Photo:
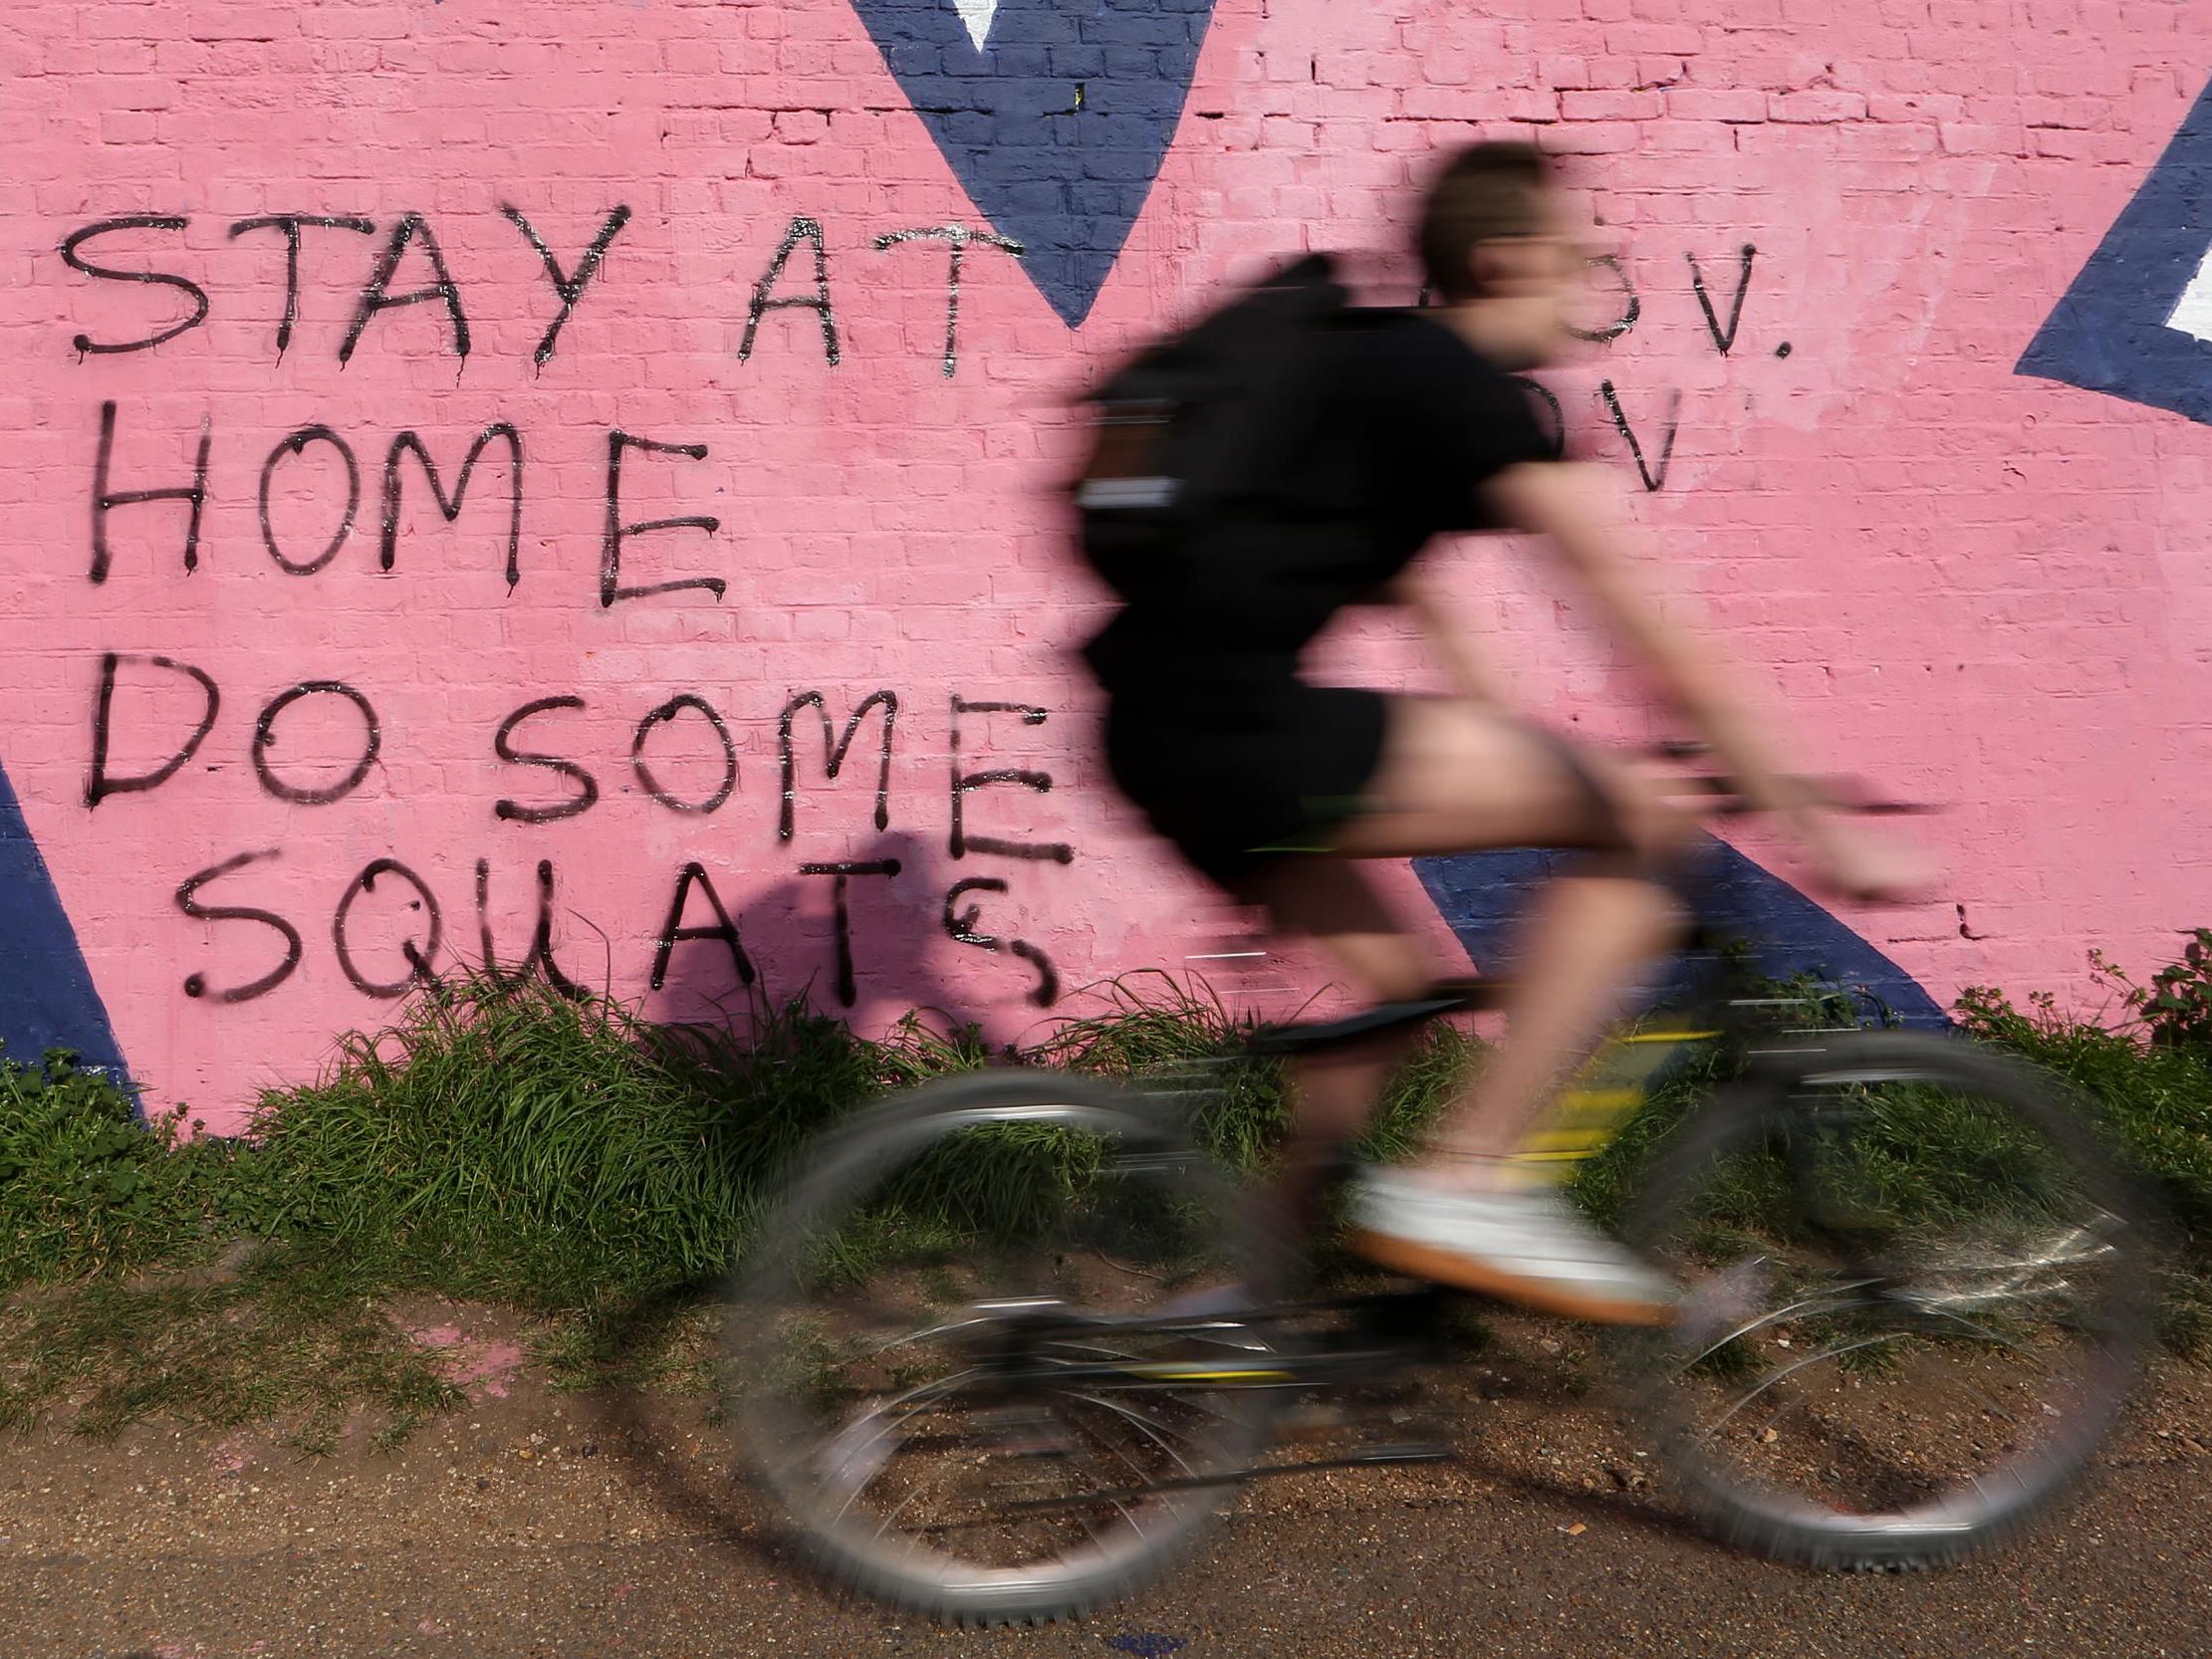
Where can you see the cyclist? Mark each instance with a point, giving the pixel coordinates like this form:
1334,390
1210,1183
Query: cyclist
1274,788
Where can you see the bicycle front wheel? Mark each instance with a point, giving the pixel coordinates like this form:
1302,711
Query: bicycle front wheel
989,1361
1918,1291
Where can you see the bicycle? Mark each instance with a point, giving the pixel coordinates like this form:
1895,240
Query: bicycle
1004,1347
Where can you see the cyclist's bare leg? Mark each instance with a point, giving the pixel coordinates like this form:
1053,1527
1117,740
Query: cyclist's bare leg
1456,777
1333,1095
1588,937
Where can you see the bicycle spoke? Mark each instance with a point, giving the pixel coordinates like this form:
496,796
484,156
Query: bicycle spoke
914,1402
1004,1402
1792,1369
1103,1493
886,1523
1933,1308
1808,1308
1143,1425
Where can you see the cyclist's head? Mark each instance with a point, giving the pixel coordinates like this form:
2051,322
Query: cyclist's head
1494,232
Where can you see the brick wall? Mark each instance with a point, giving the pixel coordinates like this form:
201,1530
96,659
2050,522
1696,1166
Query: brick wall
678,234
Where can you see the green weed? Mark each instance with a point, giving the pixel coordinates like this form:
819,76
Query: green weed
505,1143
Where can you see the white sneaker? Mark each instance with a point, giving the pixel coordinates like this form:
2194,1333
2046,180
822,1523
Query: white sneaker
1531,1248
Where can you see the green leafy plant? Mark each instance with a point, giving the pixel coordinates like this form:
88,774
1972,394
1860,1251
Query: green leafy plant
2175,1008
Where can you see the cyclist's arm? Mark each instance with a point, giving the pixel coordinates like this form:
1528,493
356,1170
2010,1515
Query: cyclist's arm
1579,510
1447,641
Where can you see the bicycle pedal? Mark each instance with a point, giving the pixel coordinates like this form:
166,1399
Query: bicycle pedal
1408,1315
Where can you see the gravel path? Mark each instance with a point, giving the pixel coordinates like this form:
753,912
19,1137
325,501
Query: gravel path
537,1524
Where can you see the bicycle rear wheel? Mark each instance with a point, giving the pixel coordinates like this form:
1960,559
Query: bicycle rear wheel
1917,1294
976,1360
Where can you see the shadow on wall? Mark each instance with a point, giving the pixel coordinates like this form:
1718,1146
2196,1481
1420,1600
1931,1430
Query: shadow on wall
851,937
46,996
1481,896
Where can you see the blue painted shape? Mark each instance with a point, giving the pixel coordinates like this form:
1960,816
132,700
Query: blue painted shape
2109,333
1064,182
1482,895
46,996
1145,1644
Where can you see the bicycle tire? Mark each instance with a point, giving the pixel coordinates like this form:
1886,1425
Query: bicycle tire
837,1182
1939,1530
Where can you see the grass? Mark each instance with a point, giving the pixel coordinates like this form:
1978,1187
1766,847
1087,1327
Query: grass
511,1144
286,1343
503,1143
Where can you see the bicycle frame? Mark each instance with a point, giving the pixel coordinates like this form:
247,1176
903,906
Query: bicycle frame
1613,1086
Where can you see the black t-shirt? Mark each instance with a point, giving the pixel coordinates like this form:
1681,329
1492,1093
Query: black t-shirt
1406,423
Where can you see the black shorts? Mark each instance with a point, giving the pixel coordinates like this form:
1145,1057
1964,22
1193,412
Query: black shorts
1236,785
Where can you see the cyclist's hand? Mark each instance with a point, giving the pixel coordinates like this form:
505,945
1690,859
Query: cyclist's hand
1864,864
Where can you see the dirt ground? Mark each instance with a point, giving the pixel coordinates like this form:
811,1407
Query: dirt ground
535,1522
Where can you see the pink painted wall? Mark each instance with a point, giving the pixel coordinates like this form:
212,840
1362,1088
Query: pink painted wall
1980,586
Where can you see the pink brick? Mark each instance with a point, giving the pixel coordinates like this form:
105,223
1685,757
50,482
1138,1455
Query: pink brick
1818,105
1644,36
1691,139
1525,103
1724,104
1972,139
1915,106
1950,569
2063,143
126,127
1897,140
1611,106
1592,138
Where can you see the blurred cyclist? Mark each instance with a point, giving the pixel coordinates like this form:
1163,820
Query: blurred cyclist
1274,788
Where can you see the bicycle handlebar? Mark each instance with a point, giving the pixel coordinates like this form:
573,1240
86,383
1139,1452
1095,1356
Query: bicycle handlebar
1726,799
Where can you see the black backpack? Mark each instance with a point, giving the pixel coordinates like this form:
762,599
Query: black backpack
1179,428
